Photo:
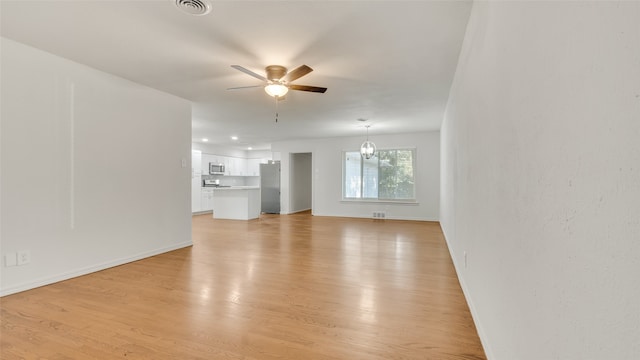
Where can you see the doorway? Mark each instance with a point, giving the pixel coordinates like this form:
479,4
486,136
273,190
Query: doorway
301,182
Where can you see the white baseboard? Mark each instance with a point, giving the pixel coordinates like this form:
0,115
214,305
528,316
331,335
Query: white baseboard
298,211
386,218
484,339
88,270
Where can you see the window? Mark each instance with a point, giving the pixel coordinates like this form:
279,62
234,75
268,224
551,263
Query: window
389,175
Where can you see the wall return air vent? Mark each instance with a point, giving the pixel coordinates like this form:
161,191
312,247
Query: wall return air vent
194,7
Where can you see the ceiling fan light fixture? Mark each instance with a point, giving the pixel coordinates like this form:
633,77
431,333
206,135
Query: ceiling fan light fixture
276,90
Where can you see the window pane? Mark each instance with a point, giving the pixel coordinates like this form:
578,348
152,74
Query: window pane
389,175
370,177
352,178
404,175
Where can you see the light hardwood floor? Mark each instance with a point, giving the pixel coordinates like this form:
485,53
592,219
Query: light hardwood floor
282,287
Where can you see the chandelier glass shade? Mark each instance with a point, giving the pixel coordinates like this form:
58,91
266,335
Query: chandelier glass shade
368,148
276,90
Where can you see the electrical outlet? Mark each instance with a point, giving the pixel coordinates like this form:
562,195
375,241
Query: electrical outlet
10,259
24,257
379,214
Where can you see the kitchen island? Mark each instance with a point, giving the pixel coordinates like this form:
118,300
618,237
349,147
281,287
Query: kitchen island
236,202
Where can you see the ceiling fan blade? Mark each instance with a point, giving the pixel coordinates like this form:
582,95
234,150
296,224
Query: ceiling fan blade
297,73
244,87
308,88
249,72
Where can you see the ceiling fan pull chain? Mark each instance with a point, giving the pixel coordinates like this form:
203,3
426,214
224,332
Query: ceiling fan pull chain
275,97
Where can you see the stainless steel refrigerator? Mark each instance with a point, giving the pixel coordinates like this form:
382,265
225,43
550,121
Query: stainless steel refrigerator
270,187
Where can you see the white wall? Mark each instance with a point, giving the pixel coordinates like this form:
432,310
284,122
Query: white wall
327,175
220,150
92,172
541,178
300,172
259,154
227,151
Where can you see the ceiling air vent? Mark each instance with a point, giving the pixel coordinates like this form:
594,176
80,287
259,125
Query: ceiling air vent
194,7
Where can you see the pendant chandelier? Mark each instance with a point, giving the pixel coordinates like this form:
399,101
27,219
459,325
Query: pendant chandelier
368,148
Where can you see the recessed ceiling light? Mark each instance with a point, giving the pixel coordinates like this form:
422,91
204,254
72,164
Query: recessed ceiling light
205,139
234,138
249,148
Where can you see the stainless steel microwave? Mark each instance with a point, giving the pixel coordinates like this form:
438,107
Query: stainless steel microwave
216,169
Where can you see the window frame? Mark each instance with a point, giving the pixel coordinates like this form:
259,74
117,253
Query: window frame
343,163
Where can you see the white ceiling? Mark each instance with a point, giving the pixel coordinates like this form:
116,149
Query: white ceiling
391,62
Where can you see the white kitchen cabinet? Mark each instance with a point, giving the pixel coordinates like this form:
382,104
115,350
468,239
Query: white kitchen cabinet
196,184
239,166
207,199
196,163
253,166
245,166
233,166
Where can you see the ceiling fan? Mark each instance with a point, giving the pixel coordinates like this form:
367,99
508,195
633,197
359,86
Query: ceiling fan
278,80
